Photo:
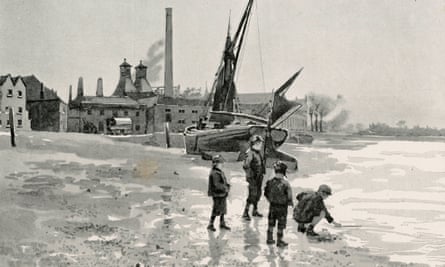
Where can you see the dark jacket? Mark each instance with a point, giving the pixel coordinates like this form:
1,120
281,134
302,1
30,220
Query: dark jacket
310,204
254,166
278,192
218,185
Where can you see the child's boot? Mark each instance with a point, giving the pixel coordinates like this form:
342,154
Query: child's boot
246,213
255,212
211,227
310,231
223,225
280,241
301,228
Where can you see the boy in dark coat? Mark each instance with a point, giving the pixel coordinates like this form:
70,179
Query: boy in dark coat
279,194
310,210
219,190
254,166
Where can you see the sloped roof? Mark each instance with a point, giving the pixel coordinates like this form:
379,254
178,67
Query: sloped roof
33,85
149,101
255,98
142,85
124,86
140,95
109,100
3,78
14,80
180,101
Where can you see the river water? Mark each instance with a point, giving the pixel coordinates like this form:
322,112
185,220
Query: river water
394,190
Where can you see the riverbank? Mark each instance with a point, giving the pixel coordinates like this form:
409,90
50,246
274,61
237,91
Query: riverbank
86,200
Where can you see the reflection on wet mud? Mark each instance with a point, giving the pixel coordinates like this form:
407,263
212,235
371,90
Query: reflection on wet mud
217,245
83,214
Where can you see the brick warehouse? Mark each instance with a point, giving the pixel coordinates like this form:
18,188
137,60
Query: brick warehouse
47,111
134,100
95,114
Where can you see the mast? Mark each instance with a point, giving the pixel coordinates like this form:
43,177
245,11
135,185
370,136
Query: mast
224,89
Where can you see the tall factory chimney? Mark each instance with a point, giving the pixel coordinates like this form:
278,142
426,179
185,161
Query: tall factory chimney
99,88
168,66
70,97
80,87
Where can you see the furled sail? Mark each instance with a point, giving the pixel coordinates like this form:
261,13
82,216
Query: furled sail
224,88
282,107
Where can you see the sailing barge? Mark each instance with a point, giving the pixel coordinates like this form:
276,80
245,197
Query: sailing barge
225,129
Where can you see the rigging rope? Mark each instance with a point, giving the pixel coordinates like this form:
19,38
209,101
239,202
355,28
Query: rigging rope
242,52
260,49
240,61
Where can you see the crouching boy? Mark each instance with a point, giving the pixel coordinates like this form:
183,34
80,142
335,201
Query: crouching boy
310,210
219,190
279,194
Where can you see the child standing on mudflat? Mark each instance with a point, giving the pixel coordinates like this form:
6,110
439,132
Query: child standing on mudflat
279,194
219,190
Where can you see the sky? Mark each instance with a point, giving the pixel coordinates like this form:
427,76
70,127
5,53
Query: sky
387,57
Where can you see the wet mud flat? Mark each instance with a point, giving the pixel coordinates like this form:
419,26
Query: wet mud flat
95,202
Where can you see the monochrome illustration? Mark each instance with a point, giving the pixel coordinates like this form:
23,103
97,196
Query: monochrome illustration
222,133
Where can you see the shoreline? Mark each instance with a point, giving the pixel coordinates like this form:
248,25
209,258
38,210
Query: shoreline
138,209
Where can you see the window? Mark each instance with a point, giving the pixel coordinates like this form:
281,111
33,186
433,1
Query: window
89,112
20,110
168,117
115,113
181,111
6,109
125,113
19,123
7,122
167,110
194,111
9,93
181,121
194,122
102,112
19,94
0,122
138,127
137,113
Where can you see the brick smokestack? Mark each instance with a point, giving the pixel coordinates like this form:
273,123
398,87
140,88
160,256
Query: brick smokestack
80,87
70,97
42,95
99,88
168,66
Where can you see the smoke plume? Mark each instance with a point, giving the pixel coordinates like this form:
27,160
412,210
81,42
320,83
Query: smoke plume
153,61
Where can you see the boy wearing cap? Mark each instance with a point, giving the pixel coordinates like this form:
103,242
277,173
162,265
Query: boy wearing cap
310,210
218,189
279,194
255,169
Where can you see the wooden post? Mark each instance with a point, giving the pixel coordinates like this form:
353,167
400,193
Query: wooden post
154,119
11,126
167,135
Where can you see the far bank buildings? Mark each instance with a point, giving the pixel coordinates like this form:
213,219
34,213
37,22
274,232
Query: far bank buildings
133,108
